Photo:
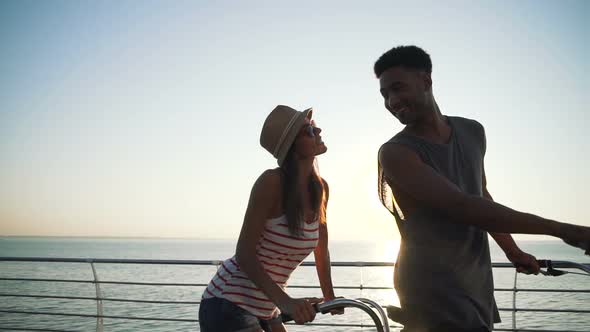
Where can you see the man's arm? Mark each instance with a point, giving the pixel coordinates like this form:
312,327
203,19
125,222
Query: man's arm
404,168
524,262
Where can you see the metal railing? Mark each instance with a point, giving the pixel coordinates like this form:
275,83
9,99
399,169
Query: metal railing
99,298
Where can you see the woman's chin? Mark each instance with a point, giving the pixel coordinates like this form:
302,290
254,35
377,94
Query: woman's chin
322,149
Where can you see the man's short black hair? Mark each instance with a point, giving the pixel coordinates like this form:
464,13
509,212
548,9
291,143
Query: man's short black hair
406,56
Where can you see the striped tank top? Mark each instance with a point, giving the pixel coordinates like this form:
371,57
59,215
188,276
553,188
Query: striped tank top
279,253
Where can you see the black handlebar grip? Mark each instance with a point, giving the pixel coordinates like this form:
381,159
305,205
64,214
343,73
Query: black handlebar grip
544,263
287,318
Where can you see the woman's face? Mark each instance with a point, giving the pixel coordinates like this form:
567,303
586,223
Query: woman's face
308,143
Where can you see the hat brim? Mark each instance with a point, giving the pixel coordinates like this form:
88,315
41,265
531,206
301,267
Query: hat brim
292,134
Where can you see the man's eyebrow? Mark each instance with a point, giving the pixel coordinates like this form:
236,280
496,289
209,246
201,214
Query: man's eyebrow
383,89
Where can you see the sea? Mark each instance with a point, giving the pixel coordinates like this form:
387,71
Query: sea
194,249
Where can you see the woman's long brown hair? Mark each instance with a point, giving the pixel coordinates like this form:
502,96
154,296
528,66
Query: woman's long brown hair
293,198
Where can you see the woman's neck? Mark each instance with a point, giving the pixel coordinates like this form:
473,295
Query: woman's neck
305,169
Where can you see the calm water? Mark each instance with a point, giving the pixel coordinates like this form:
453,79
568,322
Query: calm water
220,249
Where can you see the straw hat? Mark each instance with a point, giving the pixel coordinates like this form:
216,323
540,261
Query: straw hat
280,129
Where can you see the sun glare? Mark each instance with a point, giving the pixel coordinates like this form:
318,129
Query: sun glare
388,250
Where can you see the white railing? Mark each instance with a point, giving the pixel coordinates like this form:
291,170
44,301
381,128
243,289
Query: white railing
99,298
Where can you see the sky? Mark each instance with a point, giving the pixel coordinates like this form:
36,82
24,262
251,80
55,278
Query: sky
142,118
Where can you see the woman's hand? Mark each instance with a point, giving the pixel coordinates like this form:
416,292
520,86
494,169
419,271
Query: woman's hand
300,309
338,311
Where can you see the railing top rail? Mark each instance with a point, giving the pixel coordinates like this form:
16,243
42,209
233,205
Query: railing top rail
556,263
111,260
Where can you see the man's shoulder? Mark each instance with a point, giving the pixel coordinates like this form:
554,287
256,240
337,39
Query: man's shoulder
464,121
469,130
398,146
467,127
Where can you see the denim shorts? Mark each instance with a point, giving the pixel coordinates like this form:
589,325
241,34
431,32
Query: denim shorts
448,329
220,315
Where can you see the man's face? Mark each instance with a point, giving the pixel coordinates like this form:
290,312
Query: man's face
405,93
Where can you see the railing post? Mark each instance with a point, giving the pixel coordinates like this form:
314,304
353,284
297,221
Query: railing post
361,277
98,299
514,290
361,287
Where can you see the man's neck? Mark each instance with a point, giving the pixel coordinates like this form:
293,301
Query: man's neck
433,127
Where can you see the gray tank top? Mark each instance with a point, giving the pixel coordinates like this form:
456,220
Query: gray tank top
443,274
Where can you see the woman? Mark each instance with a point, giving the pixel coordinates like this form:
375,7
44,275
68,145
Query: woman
285,221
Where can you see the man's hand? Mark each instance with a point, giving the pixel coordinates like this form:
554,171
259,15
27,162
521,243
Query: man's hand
576,235
584,245
523,262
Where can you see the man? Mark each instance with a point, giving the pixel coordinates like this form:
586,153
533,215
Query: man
432,179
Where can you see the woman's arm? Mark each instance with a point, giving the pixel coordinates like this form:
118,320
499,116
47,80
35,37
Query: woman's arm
322,256
263,198
322,261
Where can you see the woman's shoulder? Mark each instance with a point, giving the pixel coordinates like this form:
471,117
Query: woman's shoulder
269,180
272,175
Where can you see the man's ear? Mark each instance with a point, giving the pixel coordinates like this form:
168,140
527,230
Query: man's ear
427,78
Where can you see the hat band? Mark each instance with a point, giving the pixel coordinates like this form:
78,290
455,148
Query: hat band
284,135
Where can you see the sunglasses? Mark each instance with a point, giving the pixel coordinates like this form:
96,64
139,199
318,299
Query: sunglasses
310,129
